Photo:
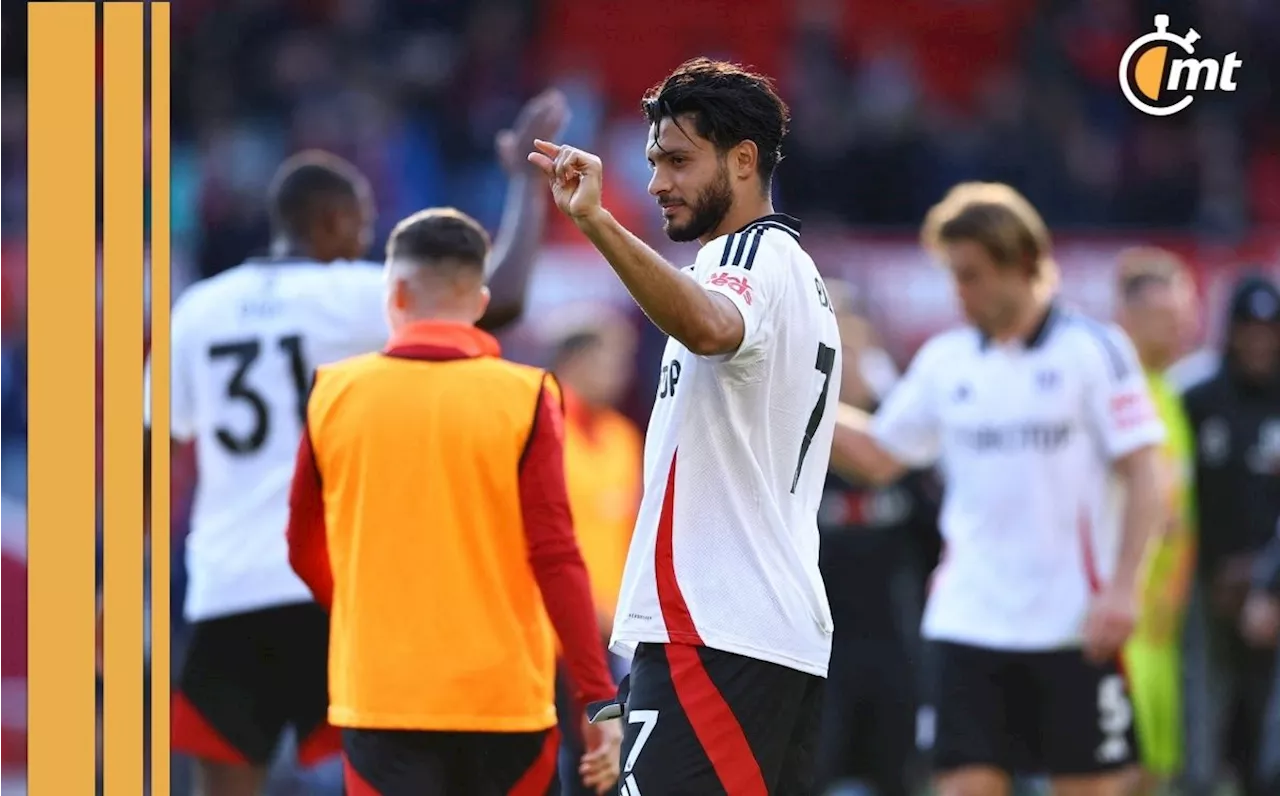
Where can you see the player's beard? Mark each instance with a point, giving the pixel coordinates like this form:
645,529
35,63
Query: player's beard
709,209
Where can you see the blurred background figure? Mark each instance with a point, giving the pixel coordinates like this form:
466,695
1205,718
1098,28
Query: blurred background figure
1260,626
1156,309
878,545
1235,415
593,351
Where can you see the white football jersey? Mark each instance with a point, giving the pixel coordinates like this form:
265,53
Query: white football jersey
725,550
244,346
1025,433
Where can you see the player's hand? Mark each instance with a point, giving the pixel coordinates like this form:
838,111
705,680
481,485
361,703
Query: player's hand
1260,620
575,176
1109,623
542,117
600,765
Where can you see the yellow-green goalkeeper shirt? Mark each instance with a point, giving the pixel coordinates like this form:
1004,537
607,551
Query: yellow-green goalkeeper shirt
1170,558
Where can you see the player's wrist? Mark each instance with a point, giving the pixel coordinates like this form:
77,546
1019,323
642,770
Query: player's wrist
592,219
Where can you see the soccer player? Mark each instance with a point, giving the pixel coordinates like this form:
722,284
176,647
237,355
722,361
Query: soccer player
429,514
1034,414
722,606
1156,305
243,347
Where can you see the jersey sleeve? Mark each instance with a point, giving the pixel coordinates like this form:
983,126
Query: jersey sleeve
747,269
906,424
1118,401
182,421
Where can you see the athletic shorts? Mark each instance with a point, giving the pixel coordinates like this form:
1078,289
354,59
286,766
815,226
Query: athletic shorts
1048,713
247,677
418,763
699,721
1155,675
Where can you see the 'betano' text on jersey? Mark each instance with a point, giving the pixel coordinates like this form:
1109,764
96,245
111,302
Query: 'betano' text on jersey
244,346
725,550
1025,434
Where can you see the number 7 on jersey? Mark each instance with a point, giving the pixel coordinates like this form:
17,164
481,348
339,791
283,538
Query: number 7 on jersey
825,364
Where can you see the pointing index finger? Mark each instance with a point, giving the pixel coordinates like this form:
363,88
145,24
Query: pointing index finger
546,147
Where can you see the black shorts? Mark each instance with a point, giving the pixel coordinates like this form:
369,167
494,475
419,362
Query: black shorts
416,763
1048,713
700,722
246,678
869,717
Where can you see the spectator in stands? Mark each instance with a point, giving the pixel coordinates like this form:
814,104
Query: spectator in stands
1235,416
594,355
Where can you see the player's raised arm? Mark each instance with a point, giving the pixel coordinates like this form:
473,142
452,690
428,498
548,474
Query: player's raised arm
713,159
706,323
524,213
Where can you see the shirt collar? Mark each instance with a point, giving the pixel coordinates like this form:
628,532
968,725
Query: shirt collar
788,223
1036,337
441,341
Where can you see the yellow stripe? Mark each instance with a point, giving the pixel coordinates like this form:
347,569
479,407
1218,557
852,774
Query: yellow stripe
61,302
122,583
159,399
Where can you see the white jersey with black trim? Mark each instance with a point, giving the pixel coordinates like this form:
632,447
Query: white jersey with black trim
725,550
244,346
1025,434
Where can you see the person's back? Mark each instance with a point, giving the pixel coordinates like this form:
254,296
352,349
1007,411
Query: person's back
428,513
244,346
420,563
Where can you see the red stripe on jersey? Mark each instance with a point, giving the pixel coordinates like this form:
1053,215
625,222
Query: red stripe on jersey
675,612
1085,529
714,724
537,778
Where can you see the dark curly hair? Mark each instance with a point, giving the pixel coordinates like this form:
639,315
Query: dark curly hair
729,105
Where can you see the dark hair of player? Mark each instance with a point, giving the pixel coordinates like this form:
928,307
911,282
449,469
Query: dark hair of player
729,105
305,183
440,237
997,218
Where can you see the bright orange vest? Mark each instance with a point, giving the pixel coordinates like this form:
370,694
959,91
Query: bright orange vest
437,622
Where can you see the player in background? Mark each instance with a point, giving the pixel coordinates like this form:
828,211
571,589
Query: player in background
1035,415
879,542
1156,308
244,344
594,352
442,661
722,606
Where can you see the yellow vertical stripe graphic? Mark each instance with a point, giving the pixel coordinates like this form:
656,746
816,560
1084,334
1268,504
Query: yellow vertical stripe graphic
159,399
61,301
122,265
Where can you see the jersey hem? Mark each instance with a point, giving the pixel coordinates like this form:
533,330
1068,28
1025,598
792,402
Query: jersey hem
1002,645
246,607
626,645
359,720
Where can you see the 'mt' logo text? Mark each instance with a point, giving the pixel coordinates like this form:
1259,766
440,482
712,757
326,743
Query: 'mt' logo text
1159,75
